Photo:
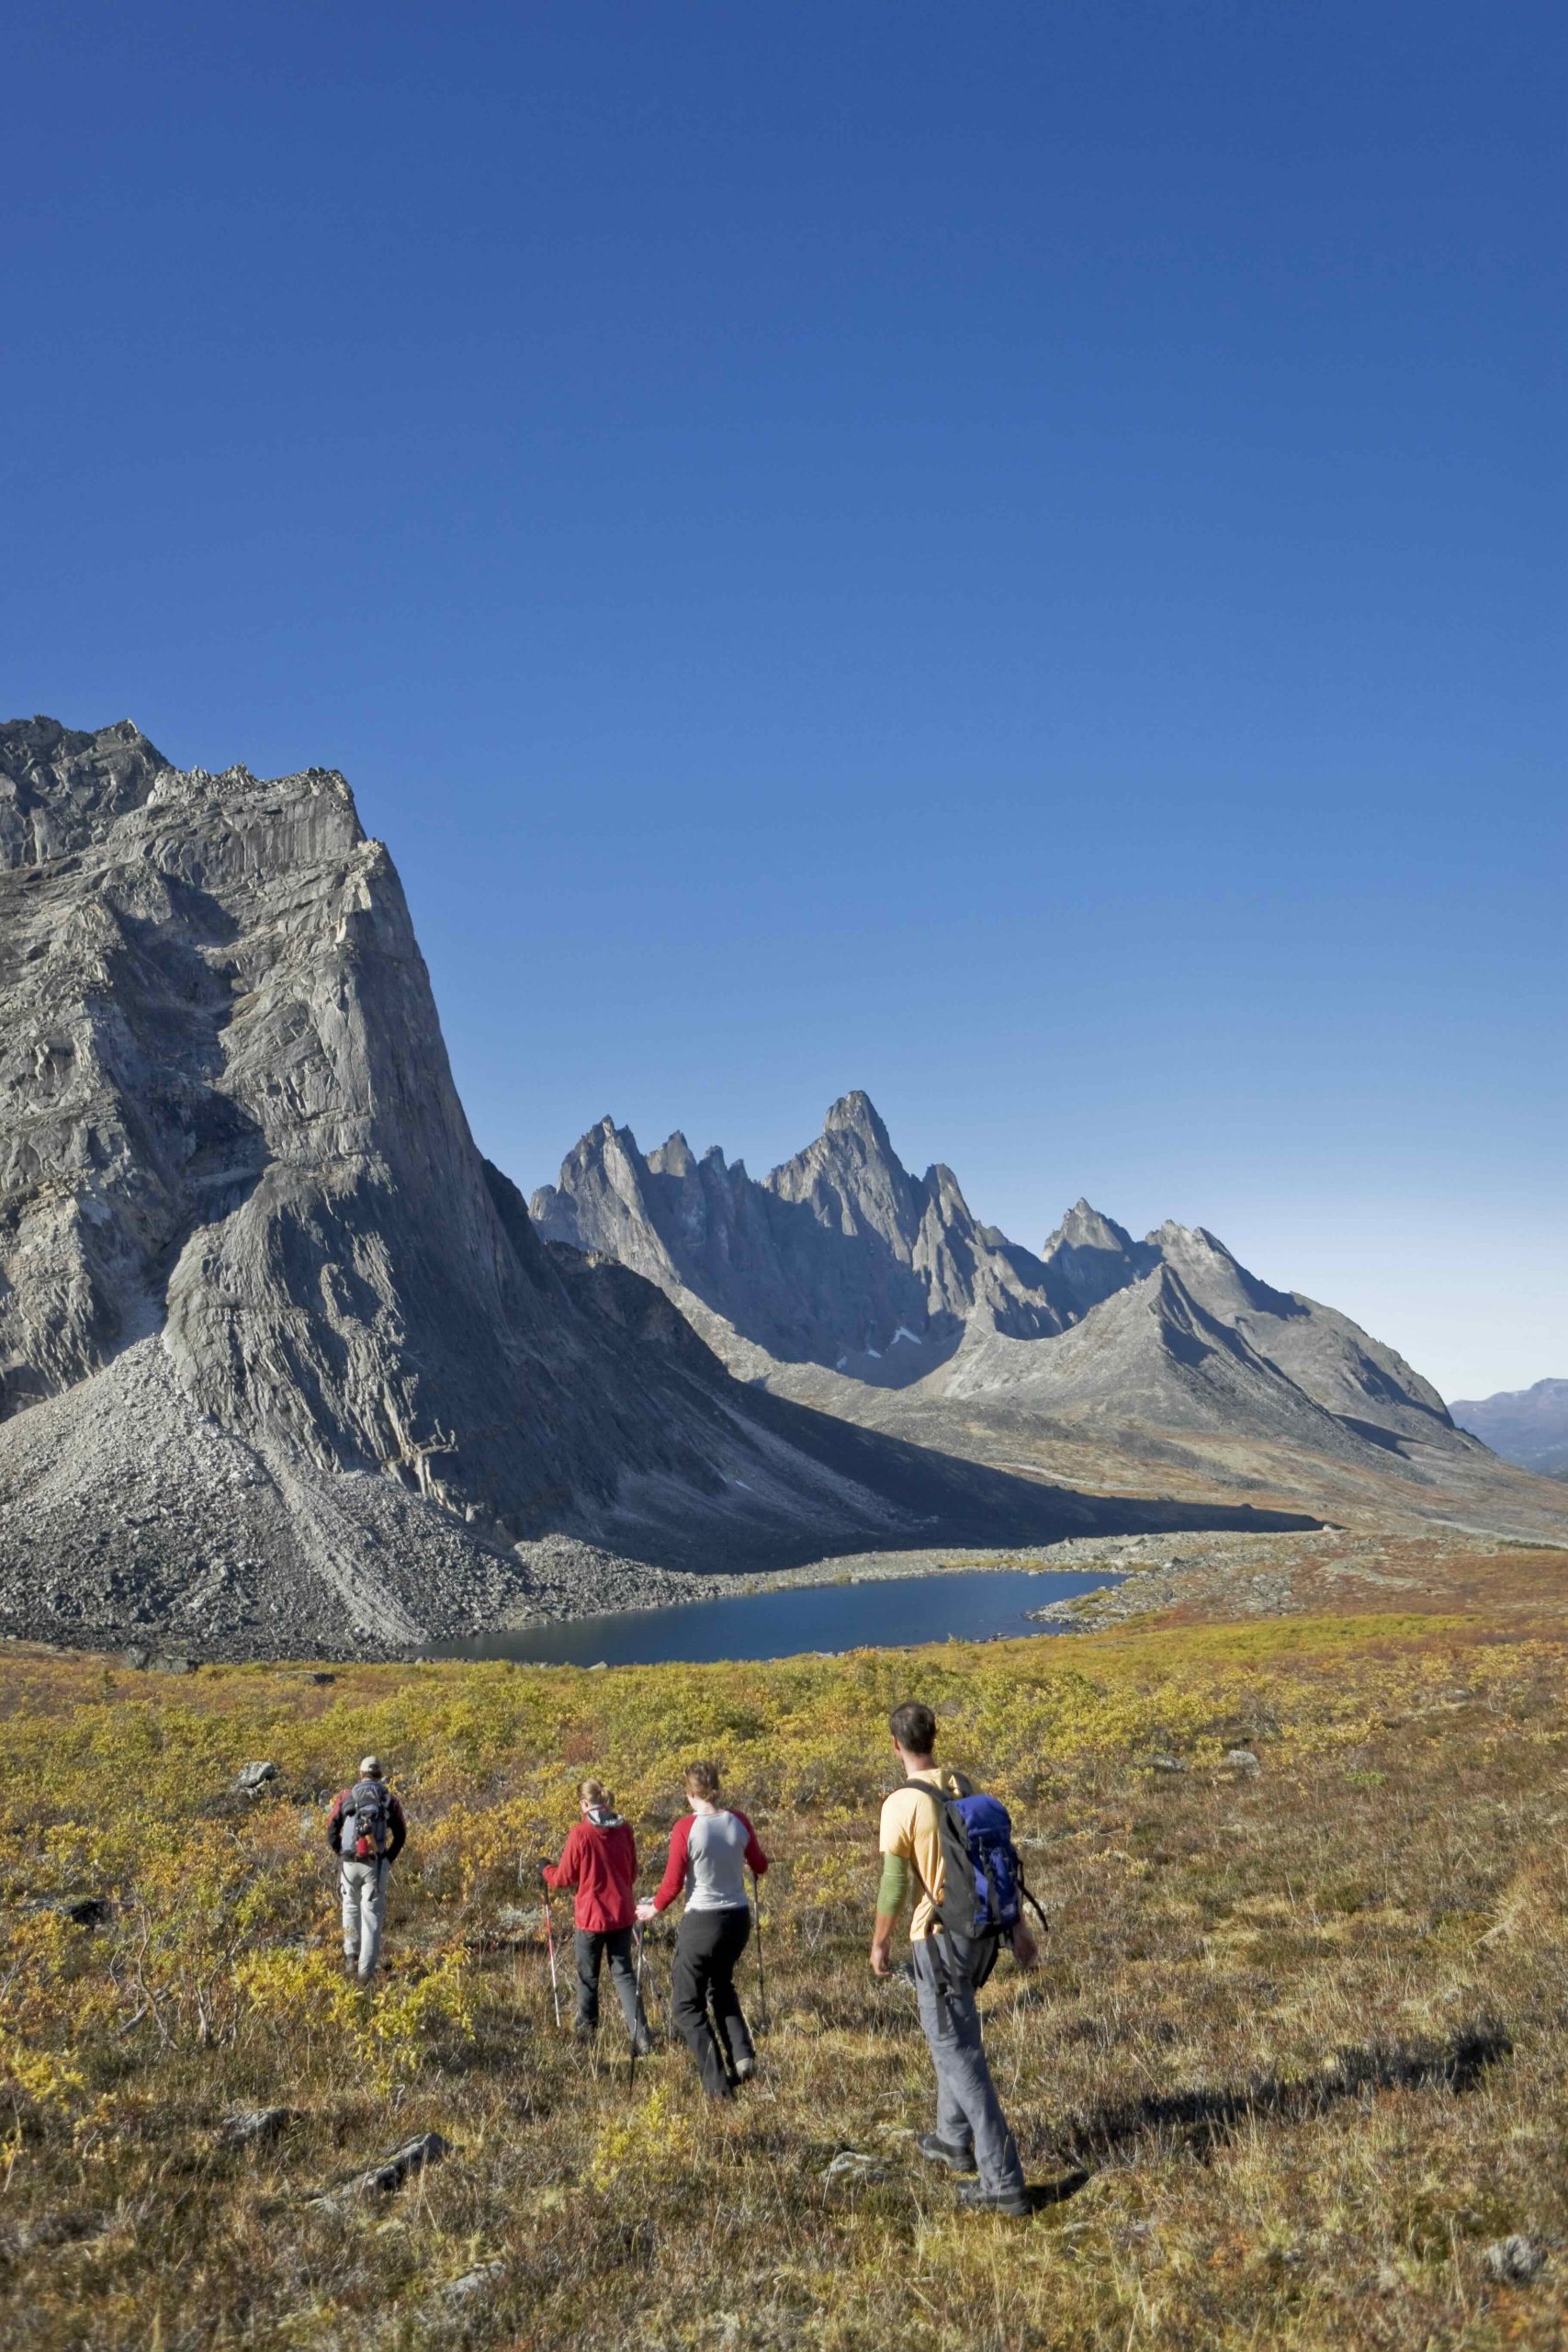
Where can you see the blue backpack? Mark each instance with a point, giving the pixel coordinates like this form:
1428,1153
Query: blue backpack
982,1890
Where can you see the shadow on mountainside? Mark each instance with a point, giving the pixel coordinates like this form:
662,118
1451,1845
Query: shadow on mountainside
949,1499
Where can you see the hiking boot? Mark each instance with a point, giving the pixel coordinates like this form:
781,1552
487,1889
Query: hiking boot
980,2199
945,2152
744,2069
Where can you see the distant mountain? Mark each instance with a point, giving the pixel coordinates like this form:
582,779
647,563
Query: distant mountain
840,1257
1529,1426
842,1276
843,1259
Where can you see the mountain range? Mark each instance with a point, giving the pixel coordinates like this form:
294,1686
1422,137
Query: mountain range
1529,1426
843,1278
283,1360
285,1363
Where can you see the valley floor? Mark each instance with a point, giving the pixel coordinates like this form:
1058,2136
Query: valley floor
1295,2072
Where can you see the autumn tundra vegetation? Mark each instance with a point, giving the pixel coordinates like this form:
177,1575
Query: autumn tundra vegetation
1290,2074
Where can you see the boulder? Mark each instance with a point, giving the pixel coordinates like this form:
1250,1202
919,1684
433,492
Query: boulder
250,2126
1514,2260
411,2157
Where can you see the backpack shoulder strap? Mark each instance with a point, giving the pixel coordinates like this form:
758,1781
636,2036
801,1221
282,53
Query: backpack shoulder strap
931,1788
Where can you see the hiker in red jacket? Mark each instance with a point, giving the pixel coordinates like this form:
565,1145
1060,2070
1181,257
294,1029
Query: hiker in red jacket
598,1859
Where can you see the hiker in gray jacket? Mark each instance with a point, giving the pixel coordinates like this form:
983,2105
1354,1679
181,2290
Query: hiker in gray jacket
366,1830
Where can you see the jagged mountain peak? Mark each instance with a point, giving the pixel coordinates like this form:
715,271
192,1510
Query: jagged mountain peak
856,1110
1215,1274
673,1157
1172,1235
62,788
1086,1227
1089,1258
943,1186
838,1256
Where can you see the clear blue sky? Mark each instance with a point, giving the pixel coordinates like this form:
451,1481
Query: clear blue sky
1008,555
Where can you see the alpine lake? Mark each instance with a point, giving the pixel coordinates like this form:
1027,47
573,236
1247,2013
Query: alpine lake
873,1612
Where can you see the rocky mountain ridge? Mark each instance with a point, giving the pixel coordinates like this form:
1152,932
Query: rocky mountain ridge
841,1276
840,1257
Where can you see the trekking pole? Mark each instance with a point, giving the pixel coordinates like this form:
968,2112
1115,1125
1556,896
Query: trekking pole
631,2066
762,1983
649,1978
550,1942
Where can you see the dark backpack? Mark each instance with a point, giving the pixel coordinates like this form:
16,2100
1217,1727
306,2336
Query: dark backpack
983,1888
368,1821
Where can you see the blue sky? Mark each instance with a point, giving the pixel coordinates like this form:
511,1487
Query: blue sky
1011,556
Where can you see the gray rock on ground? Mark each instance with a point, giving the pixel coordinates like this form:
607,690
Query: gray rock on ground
1515,2260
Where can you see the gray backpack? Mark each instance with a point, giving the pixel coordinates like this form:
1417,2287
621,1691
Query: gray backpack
367,1822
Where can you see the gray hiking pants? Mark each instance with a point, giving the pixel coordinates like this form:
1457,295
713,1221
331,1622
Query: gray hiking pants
363,1886
590,1945
968,2112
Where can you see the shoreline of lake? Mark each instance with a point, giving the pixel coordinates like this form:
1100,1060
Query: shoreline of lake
808,1617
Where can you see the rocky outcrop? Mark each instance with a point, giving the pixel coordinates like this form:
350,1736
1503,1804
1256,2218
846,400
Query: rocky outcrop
281,1359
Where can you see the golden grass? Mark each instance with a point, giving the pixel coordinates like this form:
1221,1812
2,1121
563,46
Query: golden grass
1393,1879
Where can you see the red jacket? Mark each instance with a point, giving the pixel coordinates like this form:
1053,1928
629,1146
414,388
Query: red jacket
598,1859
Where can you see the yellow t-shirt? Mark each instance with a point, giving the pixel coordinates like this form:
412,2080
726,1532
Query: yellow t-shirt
911,1829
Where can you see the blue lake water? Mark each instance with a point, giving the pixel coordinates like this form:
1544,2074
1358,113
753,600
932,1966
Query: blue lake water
882,1613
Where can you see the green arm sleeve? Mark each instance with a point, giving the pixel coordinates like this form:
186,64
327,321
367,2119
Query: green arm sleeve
894,1885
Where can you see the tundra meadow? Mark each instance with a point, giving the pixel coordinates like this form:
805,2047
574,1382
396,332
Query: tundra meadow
1292,2073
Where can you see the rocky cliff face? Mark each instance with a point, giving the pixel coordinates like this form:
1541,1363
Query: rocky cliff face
280,1359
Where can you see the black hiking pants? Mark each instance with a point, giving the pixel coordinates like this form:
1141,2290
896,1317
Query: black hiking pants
709,1944
590,1945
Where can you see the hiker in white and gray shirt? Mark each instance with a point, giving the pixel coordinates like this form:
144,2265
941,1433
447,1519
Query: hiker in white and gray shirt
709,1852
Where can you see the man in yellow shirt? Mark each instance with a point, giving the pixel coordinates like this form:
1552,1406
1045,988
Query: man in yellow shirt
971,2134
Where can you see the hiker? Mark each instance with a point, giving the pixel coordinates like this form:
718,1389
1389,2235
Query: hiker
710,1849
598,1859
953,1954
366,1830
